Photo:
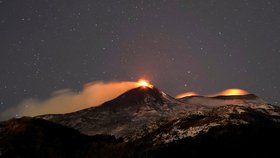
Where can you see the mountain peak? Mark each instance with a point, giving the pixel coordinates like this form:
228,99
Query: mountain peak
143,91
136,96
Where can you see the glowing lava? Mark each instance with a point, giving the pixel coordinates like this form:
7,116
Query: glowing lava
144,83
234,91
187,94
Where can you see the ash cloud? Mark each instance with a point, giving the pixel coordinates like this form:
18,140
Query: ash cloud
67,100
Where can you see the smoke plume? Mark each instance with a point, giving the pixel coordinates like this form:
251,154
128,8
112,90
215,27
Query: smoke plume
67,100
186,94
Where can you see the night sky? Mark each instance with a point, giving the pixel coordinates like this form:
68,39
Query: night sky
191,45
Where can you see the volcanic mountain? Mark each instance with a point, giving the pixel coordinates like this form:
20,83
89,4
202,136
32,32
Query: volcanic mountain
146,122
130,116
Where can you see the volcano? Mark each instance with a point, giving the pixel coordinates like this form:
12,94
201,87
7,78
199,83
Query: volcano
146,122
130,116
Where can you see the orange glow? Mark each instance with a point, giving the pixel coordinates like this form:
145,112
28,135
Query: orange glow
187,94
233,91
144,83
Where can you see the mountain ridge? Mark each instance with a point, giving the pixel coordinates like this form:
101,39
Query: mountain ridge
130,109
146,122
144,109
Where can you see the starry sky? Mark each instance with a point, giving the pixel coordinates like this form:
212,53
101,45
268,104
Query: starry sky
179,45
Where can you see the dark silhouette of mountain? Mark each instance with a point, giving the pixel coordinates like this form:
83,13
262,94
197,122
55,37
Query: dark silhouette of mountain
146,122
31,137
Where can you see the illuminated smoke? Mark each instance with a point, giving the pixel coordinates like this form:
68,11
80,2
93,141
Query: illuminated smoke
230,92
187,94
67,100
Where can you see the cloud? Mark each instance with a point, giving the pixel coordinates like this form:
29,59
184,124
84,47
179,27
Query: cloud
67,100
229,92
186,94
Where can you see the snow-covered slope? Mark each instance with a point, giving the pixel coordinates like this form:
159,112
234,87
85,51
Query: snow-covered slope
194,124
